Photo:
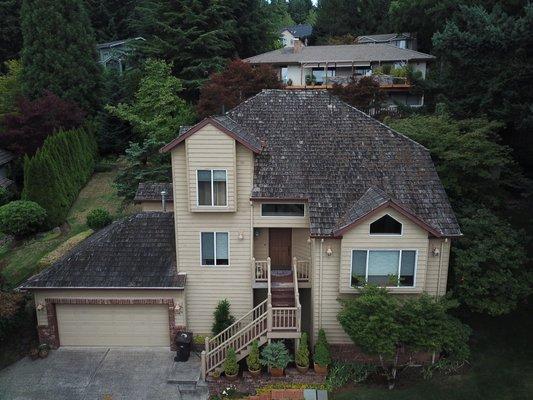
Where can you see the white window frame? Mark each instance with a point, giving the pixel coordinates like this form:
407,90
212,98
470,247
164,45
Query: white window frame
399,267
386,234
212,188
283,216
214,249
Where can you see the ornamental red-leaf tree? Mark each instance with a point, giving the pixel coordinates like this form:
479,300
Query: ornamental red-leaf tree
33,121
238,82
363,93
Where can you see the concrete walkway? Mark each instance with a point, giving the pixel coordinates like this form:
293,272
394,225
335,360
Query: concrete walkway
99,374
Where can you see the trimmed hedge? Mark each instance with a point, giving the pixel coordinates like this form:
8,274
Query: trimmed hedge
54,176
21,218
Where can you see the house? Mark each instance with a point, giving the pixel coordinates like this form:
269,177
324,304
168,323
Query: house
285,204
301,32
113,55
401,40
5,159
303,66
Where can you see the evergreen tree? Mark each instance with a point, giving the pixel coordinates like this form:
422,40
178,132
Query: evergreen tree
192,35
59,52
109,18
299,10
222,317
280,16
10,35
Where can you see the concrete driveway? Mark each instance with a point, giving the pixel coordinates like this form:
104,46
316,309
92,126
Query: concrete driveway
97,374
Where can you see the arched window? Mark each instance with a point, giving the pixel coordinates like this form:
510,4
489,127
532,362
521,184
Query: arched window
386,225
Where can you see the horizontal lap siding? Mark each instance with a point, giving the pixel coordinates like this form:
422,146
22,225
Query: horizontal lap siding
207,285
261,244
432,276
176,295
301,248
413,238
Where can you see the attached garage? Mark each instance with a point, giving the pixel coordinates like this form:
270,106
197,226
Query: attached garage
112,325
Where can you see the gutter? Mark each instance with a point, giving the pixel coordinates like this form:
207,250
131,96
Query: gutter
29,288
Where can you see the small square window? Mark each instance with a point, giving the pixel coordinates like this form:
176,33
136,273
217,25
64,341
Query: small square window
215,248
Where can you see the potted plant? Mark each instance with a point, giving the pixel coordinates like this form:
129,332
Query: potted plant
43,350
302,355
231,368
276,357
322,356
254,365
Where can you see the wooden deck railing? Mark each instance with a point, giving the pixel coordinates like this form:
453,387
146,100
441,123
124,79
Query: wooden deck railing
260,269
302,269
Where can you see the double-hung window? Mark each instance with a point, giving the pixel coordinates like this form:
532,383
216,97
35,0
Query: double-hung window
212,187
215,248
391,268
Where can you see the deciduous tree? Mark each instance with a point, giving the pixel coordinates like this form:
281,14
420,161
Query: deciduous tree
363,93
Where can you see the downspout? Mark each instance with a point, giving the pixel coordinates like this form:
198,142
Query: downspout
440,266
320,285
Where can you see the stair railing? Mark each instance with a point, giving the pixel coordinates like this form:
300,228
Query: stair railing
297,295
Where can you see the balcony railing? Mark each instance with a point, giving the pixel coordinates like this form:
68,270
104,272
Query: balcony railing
260,270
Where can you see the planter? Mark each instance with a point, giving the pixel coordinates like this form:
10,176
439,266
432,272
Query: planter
321,369
43,353
302,370
255,374
276,372
232,377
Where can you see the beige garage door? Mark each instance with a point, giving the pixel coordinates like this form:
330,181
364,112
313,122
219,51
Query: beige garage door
112,325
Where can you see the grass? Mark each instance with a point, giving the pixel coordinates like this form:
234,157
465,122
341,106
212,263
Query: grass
501,366
19,263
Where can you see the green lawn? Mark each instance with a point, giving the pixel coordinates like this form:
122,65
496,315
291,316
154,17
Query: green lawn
502,366
19,263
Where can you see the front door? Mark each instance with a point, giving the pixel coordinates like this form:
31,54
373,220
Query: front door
279,247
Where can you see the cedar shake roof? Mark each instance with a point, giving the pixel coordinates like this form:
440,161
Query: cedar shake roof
345,53
5,156
317,147
135,252
151,191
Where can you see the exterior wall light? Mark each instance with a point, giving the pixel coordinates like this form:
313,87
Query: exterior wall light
178,308
40,307
241,236
329,252
435,252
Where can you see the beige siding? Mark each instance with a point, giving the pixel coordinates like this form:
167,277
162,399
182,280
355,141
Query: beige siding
301,248
209,148
436,263
325,291
280,222
261,244
413,238
176,295
207,285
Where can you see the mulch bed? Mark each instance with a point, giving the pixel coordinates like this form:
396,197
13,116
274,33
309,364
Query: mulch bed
249,385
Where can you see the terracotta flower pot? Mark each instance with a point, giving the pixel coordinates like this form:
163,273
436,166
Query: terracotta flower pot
276,372
321,369
255,374
302,370
232,377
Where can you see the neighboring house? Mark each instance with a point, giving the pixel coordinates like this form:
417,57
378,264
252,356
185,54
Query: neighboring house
401,40
113,55
287,203
338,63
5,159
301,31
154,196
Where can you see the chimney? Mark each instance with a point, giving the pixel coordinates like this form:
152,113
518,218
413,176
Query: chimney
164,200
297,46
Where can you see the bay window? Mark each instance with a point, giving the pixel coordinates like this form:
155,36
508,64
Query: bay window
215,248
387,268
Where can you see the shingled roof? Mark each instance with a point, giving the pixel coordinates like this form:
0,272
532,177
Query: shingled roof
5,156
339,53
135,252
299,31
323,150
151,191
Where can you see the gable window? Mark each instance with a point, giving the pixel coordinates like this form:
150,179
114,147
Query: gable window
386,225
212,187
282,210
215,248
388,268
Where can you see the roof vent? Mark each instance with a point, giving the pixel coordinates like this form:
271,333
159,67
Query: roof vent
164,200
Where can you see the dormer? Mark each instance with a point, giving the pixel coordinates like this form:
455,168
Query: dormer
210,150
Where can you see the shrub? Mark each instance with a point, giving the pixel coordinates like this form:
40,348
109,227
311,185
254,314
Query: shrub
322,355
98,218
223,318
5,195
275,355
253,358
341,374
54,176
302,354
230,364
21,218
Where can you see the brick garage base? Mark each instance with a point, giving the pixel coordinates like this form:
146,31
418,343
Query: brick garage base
50,334
350,352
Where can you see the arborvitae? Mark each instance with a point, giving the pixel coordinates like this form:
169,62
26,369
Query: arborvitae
59,53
